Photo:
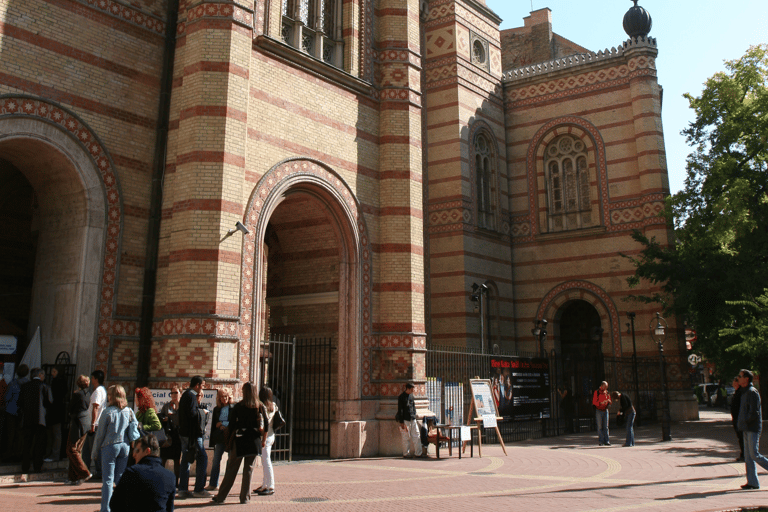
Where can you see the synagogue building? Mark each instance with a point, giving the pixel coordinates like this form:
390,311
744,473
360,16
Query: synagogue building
182,179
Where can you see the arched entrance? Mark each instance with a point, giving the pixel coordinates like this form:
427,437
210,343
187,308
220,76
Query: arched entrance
580,338
53,211
311,280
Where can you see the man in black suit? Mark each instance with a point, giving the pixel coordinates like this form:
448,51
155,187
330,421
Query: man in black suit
147,485
34,400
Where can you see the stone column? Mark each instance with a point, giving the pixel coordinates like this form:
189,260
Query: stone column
197,315
399,356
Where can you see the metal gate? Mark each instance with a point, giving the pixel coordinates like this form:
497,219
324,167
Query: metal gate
299,373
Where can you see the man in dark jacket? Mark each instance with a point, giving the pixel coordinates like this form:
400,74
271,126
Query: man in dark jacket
409,428
34,400
751,423
191,424
146,486
735,406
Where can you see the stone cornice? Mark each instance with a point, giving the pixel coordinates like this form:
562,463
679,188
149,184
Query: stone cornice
313,65
573,62
484,10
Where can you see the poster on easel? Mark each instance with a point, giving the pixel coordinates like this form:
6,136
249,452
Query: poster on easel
482,397
483,411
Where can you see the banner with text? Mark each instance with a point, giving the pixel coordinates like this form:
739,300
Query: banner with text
520,387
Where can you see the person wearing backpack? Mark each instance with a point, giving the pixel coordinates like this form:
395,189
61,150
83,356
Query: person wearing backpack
602,400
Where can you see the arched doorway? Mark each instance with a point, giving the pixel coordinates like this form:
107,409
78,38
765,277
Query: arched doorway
580,338
302,296
312,279
54,217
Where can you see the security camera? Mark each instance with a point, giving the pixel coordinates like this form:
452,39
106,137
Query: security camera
238,227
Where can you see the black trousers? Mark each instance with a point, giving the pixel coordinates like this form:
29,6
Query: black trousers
34,447
740,435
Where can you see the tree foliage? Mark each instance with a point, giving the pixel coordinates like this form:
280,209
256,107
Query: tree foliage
715,274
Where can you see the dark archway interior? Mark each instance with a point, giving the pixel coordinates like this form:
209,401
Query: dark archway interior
582,361
302,269
18,246
577,322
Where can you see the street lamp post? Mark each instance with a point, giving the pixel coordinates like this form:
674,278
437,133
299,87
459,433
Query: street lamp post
631,316
539,331
477,296
658,327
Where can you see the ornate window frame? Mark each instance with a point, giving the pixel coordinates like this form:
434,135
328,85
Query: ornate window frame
484,167
566,168
314,27
478,51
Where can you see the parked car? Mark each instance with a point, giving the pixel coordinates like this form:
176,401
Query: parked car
707,391
729,396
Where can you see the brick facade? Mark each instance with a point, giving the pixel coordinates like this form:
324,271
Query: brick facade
375,193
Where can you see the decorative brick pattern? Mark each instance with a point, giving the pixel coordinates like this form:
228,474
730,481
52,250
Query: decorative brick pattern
129,13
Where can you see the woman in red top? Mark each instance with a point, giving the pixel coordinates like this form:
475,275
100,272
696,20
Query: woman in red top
602,400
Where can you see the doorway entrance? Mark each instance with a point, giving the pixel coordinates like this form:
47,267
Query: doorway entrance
52,208
582,353
304,272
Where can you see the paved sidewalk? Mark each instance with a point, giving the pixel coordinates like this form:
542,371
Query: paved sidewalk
694,472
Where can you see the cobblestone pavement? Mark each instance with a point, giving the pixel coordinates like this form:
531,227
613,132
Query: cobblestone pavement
696,471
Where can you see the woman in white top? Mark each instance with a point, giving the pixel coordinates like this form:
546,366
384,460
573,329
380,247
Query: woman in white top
268,439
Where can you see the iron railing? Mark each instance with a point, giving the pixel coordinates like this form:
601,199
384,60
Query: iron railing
450,368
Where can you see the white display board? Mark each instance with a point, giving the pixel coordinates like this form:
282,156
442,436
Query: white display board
163,396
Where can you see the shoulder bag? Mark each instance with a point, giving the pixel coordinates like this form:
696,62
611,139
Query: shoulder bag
132,432
278,421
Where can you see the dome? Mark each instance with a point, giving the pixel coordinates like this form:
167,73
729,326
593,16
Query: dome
637,21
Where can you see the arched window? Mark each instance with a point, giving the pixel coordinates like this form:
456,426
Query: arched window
568,184
485,170
315,27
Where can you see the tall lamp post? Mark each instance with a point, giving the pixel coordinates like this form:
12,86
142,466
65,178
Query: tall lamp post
631,316
478,290
539,331
658,327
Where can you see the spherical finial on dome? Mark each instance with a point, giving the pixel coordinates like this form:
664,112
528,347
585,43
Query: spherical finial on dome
637,21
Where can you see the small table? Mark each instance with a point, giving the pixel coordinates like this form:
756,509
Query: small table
450,429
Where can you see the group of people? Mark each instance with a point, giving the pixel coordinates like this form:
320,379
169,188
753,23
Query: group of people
245,430
33,413
602,400
128,451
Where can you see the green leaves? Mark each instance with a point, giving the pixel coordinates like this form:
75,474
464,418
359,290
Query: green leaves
716,274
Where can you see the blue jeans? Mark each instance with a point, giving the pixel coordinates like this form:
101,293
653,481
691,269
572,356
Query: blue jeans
602,427
630,428
114,458
218,451
752,455
201,458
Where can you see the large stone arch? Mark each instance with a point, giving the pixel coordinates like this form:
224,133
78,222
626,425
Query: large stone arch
355,336
29,125
591,293
590,135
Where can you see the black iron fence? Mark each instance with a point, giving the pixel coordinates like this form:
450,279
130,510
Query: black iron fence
299,373
449,370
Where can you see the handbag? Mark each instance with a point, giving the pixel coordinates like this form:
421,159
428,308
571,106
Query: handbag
247,442
133,429
278,421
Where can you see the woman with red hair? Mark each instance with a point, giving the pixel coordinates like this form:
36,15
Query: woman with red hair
146,411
